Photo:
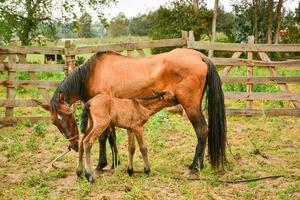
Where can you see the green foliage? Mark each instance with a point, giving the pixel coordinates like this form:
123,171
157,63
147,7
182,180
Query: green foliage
84,26
179,15
118,25
140,25
79,60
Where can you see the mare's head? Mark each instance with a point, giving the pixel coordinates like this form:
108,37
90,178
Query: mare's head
62,117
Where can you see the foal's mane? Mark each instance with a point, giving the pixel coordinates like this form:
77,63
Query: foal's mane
157,94
74,85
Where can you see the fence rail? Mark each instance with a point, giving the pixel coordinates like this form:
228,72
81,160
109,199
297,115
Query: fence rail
70,51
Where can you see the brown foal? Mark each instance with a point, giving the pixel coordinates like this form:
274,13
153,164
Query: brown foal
131,114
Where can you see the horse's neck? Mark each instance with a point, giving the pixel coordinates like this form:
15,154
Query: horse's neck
153,105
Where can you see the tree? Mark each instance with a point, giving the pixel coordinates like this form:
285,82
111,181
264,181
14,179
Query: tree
23,17
270,21
140,25
214,22
118,25
278,20
84,26
179,15
196,5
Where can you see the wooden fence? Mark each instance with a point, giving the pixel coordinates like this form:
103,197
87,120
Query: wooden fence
13,59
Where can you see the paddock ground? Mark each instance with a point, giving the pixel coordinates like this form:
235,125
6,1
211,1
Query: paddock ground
260,146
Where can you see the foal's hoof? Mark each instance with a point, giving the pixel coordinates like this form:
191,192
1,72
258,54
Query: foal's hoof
129,171
89,177
79,173
147,170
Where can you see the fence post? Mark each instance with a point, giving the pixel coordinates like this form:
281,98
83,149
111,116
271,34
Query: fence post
184,36
70,57
250,72
10,96
191,36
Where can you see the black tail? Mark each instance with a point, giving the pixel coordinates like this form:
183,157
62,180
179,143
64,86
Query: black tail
84,118
216,116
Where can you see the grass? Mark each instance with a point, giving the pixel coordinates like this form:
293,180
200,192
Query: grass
25,163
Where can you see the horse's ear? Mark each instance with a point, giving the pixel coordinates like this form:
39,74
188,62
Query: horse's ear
46,106
61,97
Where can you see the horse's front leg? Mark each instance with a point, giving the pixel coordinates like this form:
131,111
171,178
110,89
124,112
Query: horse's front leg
102,150
88,142
139,134
80,157
131,150
113,145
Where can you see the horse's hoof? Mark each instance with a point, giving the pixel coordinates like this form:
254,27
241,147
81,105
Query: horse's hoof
89,177
147,170
129,171
101,166
79,173
113,166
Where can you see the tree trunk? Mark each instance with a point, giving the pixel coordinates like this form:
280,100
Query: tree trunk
270,21
255,13
278,20
196,5
213,31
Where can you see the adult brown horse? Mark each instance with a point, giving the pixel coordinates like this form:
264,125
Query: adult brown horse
184,72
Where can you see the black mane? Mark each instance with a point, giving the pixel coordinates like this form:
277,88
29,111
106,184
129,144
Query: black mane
74,84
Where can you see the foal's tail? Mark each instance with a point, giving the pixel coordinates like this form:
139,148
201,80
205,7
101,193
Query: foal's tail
84,118
216,116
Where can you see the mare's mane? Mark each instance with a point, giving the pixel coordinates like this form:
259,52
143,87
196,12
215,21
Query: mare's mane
74,85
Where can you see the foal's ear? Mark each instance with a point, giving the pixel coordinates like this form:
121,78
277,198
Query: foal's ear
61,97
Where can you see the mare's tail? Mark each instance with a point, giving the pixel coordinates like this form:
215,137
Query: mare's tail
216,116
84,118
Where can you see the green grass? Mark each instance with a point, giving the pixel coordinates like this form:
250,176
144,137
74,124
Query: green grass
171,143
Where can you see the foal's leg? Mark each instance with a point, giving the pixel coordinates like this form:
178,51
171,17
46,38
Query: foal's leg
87,145
139,134
131,150
80,157
113,145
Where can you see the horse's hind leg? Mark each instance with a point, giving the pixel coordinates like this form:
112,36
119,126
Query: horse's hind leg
197,119
113,145
139,134
131,150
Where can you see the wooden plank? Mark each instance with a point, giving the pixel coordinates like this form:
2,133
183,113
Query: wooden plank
13,120
30,50
269,79
240,61
267,112
126,46
19,103
32,67
229,67
31,83
244,47
283,86
262,96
